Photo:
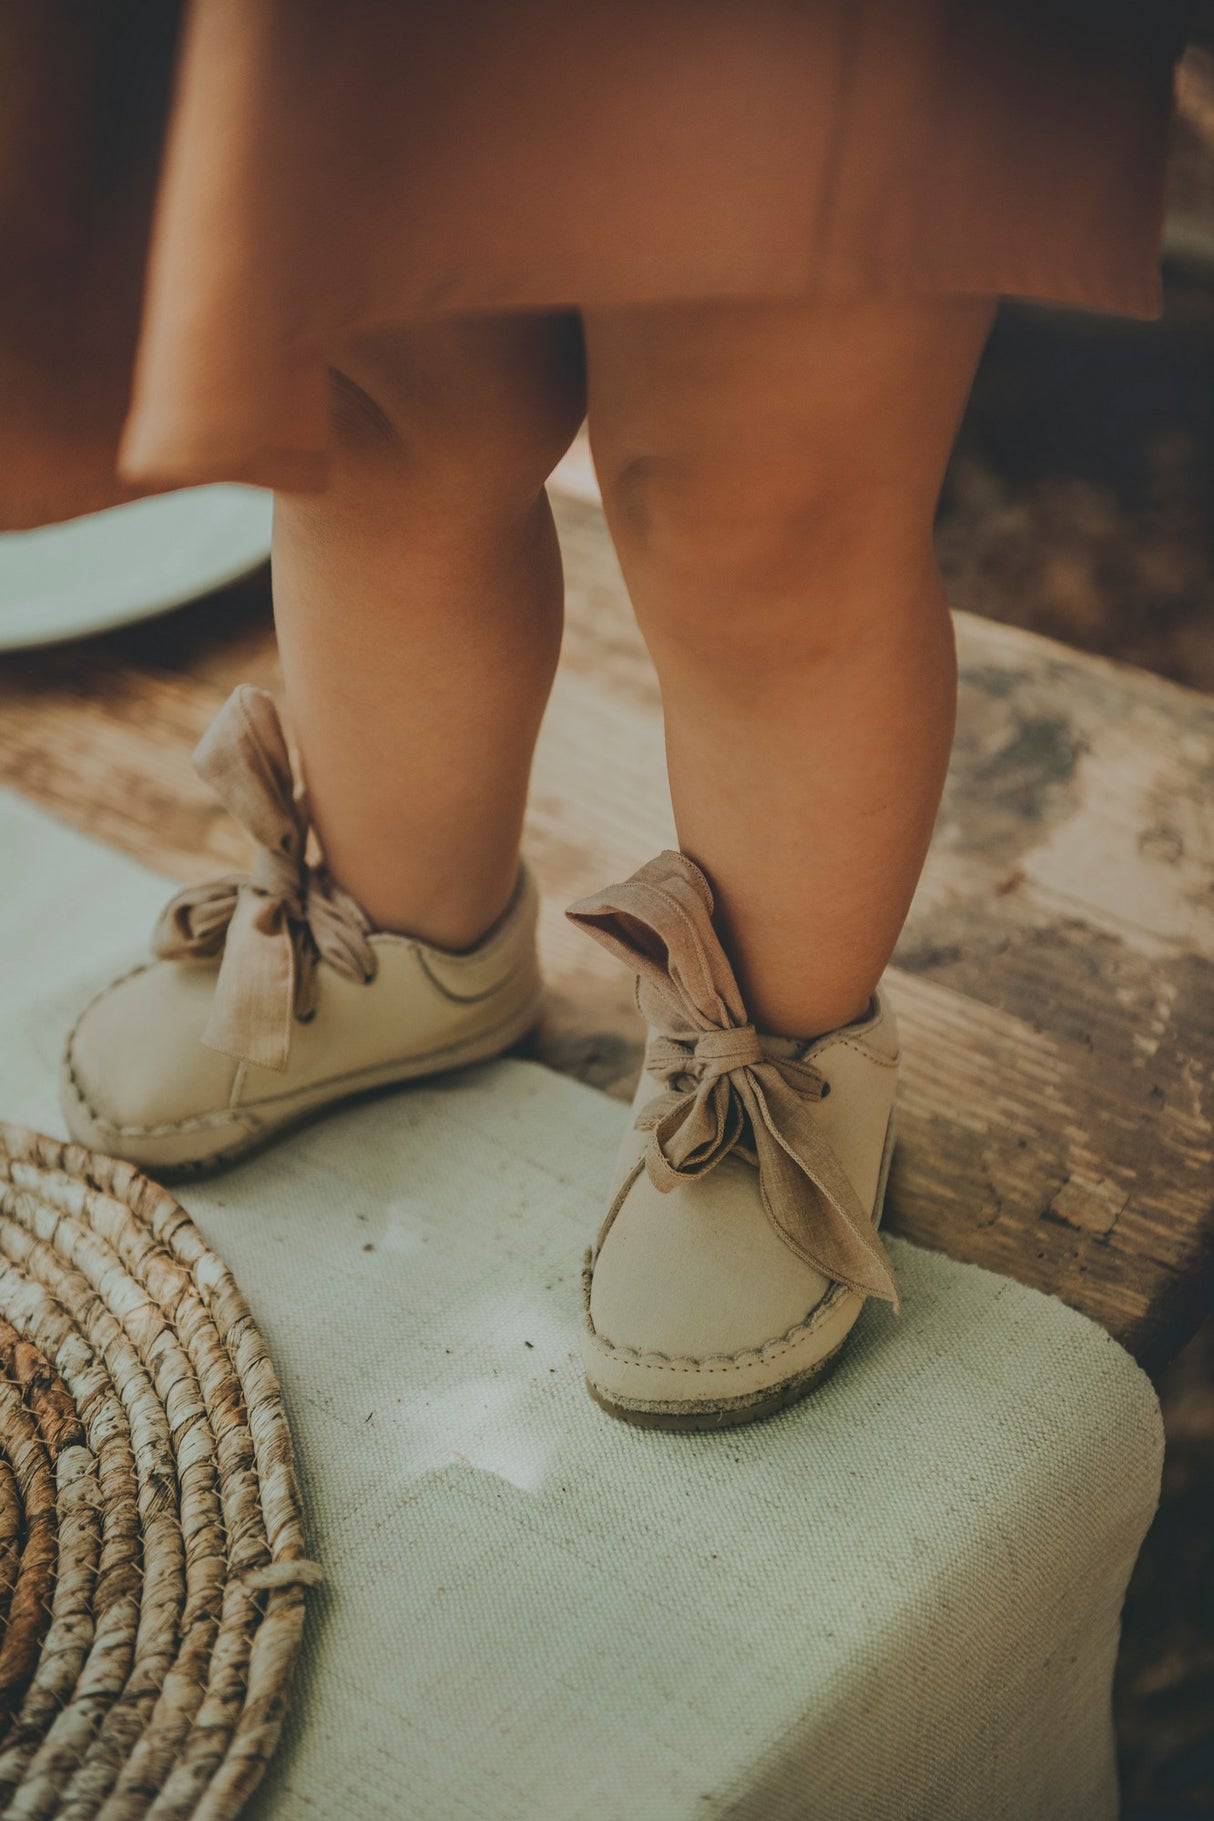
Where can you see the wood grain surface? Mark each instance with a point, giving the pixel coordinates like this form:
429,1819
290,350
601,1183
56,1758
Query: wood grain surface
1054,983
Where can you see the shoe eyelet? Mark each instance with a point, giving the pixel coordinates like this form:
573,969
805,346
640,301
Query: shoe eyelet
825,1089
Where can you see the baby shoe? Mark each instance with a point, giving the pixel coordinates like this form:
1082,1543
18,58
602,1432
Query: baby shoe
741,1238
271,996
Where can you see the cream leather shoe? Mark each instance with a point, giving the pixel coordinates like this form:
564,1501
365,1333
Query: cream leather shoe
272,997
741,1239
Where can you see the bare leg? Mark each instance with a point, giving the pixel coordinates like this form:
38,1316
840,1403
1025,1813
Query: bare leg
419,605
770,474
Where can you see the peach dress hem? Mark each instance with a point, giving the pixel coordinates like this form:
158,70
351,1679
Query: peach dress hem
198,204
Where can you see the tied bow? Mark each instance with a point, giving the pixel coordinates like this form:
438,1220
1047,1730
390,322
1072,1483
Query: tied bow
273,922
724,1091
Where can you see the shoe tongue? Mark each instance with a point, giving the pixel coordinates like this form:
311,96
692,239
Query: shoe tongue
783,1048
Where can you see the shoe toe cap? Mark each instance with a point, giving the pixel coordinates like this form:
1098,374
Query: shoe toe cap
696,1311
698,1273
135,1060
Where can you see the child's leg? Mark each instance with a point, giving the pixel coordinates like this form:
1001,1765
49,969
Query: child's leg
419,610
770,475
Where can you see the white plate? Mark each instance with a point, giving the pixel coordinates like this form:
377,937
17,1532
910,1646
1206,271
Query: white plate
107,568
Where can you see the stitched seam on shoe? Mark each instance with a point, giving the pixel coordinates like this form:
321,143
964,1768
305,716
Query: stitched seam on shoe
141,967
718,1362
276,1100
862,1049
200,1122
490,992
714,1362
248,1111
472,957
220,1117
630,1176
464,958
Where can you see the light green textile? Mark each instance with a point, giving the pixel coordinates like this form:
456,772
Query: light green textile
898,1599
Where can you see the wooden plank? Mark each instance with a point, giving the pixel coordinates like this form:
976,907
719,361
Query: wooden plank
1055,980
105,746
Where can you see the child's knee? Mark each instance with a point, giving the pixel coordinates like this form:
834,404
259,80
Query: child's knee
707,535
448,411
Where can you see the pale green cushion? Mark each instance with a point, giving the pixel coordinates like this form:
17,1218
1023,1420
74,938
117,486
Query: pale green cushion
898,1599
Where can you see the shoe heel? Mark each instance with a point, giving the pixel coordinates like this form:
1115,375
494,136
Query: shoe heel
887,1158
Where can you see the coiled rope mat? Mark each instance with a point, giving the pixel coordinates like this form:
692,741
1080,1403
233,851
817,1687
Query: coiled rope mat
152,1558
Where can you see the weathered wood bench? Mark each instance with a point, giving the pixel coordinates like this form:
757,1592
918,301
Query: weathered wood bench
1055,981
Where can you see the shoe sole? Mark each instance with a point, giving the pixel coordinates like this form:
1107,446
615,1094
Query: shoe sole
727,1413
436,1062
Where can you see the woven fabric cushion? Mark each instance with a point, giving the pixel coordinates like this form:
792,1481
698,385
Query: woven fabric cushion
898,1599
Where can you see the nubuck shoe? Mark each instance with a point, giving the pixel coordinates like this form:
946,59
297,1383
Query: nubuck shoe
741,1238
271,996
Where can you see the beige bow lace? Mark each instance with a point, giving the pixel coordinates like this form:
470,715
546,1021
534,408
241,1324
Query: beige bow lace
273,922
723,1092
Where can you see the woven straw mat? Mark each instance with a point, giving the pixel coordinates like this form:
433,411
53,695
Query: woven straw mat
152,1561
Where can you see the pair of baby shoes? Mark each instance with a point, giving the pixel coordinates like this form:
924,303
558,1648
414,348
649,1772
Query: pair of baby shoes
740,1240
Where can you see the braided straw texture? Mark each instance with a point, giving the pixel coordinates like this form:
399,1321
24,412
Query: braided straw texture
152,1559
